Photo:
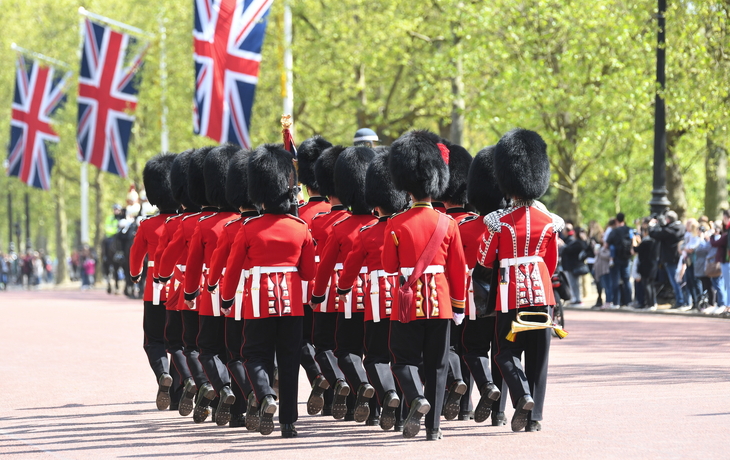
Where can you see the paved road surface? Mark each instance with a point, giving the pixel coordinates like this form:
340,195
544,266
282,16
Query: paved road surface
75,384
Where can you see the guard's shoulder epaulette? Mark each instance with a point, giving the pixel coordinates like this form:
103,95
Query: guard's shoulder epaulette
234,221
492,221
207,217
191,215
399,213
369,226
558,223
172,217
340,221
469,218
303,204
320,214
252,218
298,219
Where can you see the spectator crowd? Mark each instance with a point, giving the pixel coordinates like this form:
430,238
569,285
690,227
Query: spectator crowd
660,260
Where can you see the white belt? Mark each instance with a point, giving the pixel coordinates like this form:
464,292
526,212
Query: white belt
316,259
430,270
350,298
375,291
504,282
256,273
156,290
239,295
181,268
470,293
305,288
338,267
215,299
150,263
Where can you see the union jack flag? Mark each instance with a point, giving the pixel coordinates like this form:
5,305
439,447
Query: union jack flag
228,36
107,97
39,92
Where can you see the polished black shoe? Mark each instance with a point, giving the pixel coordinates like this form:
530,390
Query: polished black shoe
490,393
372,420
453,400
266,415
499,419
315,403
163,391
398,427
288,430
387,415
339,405
349,416
252,413
237,421
522,412
533,426
412,424
327,410
226,400
186,401
466,415
175,406
362,404
434,435
206,395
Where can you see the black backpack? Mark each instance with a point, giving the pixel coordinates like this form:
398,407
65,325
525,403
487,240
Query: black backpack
623,248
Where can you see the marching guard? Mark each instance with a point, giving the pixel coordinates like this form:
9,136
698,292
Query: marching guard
157,184
521,241
278,251
424,247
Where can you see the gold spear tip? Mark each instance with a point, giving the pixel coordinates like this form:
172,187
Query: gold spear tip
286,121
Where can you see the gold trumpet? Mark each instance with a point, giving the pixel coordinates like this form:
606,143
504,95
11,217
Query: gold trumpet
524,325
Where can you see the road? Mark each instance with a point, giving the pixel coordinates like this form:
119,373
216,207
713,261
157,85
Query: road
75,384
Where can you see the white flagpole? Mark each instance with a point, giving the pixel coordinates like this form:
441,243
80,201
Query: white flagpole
84,177
288,62
39,56
131,29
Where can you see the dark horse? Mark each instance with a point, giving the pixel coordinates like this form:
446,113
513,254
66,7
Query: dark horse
115,260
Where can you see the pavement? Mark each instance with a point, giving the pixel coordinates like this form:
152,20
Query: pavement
76,384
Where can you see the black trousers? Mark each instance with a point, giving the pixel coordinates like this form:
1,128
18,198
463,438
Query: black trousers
153,326
476,340
212,344
309,363
532,378
377,357
409,342
457,368
191,326
174,344
325,326
234,340
350,343
262,340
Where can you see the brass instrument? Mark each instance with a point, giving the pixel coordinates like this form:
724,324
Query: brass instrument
521,325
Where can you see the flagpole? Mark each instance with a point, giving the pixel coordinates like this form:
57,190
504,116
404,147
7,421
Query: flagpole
39,56
84,176
134,30
288,61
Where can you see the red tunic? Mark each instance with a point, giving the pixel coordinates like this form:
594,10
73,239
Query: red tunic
529,234
471,229
339,244
281,245
176,251
367,251
200,251
314,206
459,213
407,234
169,229
148,234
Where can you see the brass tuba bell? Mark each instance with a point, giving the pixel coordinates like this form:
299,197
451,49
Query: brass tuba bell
521,325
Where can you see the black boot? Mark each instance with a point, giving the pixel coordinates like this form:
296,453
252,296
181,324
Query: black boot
163,391
412,424
266,415
362,406
226,400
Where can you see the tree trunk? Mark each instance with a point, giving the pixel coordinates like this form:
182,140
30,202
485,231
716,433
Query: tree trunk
675,183
362,117
715,179
61,231
567,202
457,105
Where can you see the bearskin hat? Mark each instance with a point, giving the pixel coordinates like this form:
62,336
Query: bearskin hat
272,178
179,179
350,169
521,164
482,190
379,188
196,176
417,164
324,170
156,178
459,161
215,172
237,181
307,155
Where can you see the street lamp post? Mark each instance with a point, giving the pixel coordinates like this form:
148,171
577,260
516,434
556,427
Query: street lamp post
659,202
